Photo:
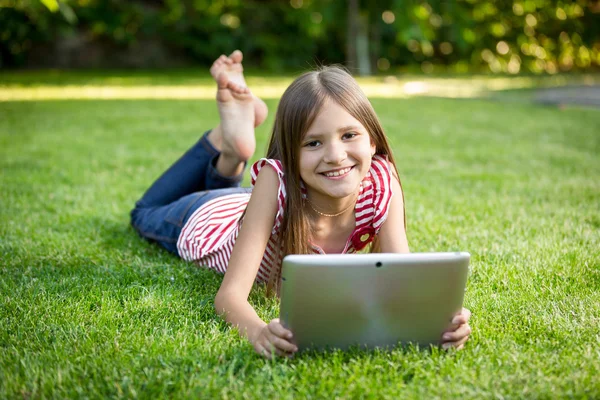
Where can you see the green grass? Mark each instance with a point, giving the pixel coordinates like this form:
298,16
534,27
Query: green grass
88,309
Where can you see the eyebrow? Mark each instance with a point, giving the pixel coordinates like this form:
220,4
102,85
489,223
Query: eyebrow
339,130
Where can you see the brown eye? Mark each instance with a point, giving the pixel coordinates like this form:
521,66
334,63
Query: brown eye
313,143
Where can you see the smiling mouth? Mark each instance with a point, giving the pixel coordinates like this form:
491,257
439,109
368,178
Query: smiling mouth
338,172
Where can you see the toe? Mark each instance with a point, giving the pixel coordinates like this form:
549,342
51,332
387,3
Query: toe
240,89
223,81
216,65
236,56
225,60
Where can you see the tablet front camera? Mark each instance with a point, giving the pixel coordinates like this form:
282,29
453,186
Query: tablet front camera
378,264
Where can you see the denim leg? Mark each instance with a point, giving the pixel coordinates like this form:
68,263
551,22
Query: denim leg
195,171
166,206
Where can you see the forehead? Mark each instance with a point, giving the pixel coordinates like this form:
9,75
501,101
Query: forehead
330,118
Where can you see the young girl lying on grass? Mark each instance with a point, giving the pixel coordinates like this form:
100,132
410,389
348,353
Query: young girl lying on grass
328,184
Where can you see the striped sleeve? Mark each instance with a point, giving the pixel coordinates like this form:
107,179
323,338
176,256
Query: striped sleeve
381,177
281,193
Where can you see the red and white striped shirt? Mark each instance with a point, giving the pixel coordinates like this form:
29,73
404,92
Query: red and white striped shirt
209,235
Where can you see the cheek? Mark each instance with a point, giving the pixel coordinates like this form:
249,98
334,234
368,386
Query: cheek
307,160
365,150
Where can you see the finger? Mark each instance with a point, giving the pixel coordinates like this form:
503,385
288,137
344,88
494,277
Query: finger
462,331
282,344
274,351
449,332
466,312
461,317
263,352
277,329
457,345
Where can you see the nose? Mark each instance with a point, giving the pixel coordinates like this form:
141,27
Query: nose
335,153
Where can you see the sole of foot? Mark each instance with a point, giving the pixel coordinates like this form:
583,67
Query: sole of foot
236,109
232,66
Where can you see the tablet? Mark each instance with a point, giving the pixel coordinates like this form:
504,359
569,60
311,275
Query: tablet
371,300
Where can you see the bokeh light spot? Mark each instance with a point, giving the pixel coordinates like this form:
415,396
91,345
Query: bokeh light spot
383,64
446,48
230,20
427,48
413,45
551,68
487,55
564,37
540,52
514,65
388,17
435,20
502,47
427,67
518,9
468,35
498,30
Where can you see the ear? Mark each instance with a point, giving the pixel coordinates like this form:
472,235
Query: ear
373,149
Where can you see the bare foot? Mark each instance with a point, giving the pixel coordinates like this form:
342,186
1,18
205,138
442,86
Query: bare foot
236,109
232,66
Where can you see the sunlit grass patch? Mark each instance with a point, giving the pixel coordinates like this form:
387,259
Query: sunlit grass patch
185,85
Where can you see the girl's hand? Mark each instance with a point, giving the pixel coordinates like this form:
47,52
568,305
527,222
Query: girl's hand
274,339
458,332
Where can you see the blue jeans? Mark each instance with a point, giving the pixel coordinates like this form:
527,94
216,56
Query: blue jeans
193,180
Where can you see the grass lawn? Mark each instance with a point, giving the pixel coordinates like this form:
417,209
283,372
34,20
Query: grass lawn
88,309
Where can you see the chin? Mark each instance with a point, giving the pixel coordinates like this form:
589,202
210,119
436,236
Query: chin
340,194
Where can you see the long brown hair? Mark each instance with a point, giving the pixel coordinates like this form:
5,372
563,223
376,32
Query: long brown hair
298,108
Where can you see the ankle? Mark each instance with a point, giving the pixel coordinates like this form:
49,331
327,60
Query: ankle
215,137
229,165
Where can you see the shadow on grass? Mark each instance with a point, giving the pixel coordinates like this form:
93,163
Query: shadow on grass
131,284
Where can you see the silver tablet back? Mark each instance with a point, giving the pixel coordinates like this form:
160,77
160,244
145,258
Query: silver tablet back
371,300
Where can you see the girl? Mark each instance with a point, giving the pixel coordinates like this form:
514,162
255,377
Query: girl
329,184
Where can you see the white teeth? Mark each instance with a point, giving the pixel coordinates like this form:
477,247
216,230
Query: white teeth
338,173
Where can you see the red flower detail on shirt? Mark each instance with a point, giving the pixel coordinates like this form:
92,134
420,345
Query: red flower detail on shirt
363,237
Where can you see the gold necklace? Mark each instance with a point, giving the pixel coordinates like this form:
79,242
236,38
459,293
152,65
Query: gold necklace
330,215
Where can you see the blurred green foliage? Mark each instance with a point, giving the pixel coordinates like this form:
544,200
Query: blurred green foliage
540,36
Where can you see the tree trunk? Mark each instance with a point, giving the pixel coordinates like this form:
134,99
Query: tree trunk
362,45
352,24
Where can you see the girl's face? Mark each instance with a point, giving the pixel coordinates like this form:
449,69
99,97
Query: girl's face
335,155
